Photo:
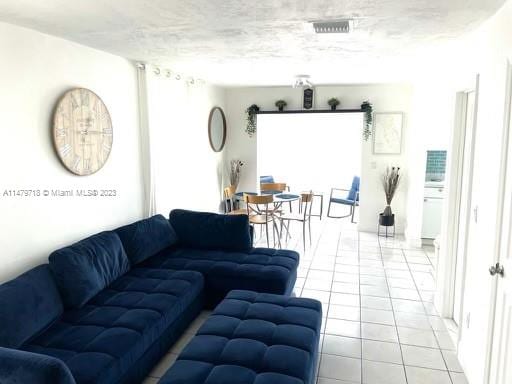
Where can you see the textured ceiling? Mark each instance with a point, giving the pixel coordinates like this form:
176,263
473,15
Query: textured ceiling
261,42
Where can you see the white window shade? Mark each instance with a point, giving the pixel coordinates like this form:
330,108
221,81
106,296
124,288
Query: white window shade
310,150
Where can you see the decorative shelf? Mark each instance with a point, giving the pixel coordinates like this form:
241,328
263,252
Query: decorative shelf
310,111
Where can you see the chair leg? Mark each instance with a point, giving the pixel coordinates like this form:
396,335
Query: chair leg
268,241
309,225
353,212
304,234
339,217
278,235
321,206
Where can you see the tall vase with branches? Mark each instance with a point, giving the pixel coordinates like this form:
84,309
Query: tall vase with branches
390,182
235,169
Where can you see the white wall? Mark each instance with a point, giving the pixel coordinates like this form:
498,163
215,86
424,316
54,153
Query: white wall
35,70
385,98
441,73
484,52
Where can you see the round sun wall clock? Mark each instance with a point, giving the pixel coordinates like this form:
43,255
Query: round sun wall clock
82,131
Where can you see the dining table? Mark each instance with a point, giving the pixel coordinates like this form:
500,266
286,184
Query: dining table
279,197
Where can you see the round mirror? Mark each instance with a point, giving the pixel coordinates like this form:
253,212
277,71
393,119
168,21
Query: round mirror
217,129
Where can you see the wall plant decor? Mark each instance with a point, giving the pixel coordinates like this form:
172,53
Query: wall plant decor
367,108
280,104
250,115
82,131
333,103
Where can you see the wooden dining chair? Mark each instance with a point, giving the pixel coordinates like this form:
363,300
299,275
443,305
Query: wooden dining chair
261,211
306,202
229,202
274,189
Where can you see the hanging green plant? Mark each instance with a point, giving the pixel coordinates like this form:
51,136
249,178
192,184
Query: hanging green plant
251,119
368,119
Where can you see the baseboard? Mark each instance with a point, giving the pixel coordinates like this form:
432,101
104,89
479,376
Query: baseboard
411,240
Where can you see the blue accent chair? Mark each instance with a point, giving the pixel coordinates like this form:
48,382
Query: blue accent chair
266,179
351,199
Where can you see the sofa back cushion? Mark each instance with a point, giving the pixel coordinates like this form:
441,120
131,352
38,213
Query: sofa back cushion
28,304
87,267
146,238
204,230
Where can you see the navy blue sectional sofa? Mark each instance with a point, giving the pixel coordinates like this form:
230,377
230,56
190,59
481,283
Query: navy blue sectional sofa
106,309
253,338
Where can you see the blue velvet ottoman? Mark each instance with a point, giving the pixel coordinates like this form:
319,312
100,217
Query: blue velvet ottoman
253,338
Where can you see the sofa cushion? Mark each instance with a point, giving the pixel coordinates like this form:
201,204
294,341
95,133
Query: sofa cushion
85,268
260,269
204,230
28,304
105,338
146,238
253,338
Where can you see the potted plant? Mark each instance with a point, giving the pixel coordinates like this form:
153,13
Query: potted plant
234,172
367,109
390,182
250,115
281,104
333,102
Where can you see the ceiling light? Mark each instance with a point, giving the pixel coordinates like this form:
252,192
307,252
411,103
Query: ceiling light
333,26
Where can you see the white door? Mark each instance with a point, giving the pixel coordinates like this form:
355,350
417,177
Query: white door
501,355
464,212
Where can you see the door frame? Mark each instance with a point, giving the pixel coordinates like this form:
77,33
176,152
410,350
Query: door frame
500,217
456,201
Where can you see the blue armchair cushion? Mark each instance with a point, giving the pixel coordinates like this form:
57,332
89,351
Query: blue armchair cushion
28,304
354,189
260,269
253,338
146,238
104,339
204,230
342,201
266,179
85,268
21,367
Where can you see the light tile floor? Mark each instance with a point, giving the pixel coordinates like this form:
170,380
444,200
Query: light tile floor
380,325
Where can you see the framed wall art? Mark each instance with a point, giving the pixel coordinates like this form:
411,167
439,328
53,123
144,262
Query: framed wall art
387,133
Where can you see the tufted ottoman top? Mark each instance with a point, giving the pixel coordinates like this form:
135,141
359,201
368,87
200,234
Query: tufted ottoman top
253,338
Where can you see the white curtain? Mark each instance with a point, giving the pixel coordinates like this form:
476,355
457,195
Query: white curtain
148,172
180,168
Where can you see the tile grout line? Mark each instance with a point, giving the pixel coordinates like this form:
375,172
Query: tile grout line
321,347
360,301
428,319
393,311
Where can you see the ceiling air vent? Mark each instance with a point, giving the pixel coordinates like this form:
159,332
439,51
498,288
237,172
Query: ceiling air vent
333,26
